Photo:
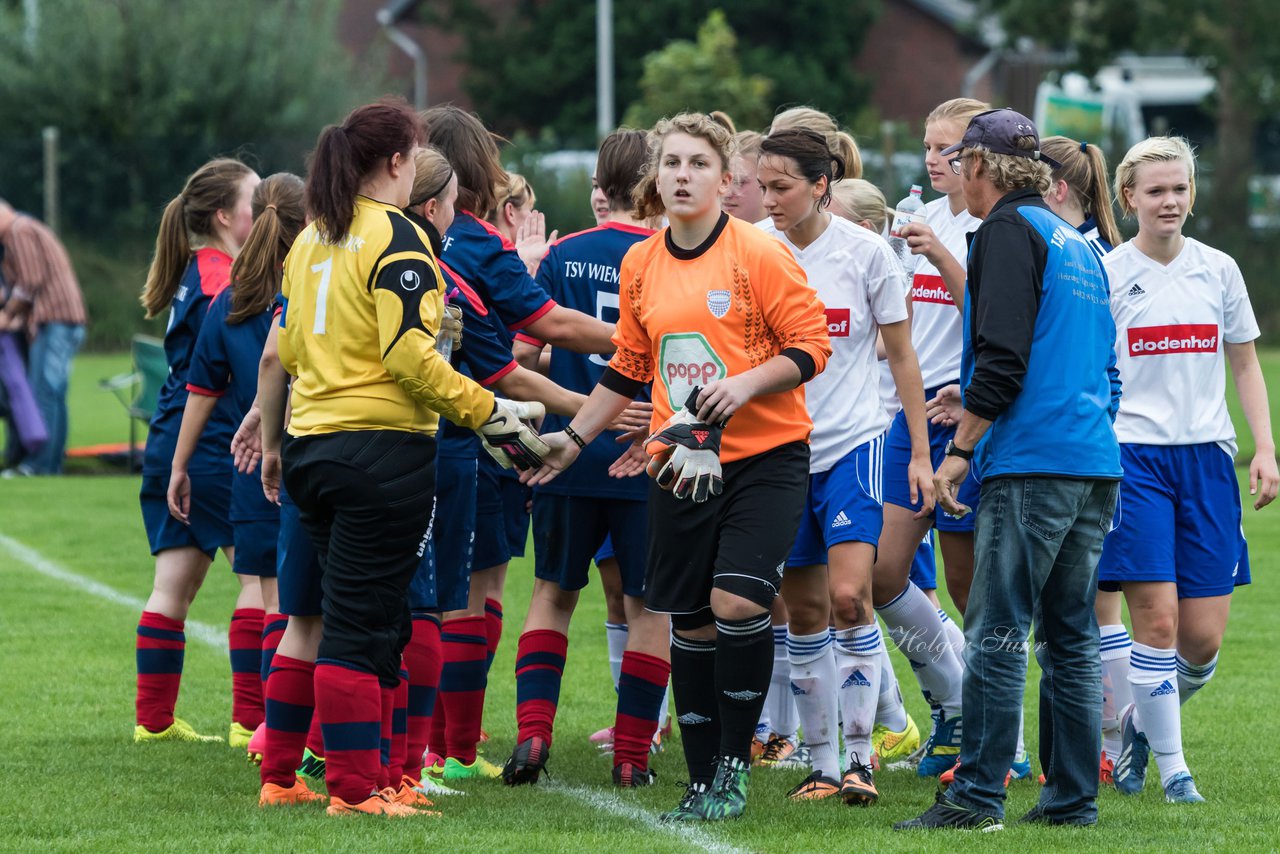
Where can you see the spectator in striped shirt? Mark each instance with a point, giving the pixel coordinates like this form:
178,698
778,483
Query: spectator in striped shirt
45,301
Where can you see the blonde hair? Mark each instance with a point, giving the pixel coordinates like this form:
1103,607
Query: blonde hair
748,142
1155,149
432,175
839,141
858,200
517,191
648,200
1084,169
960,110
1013,172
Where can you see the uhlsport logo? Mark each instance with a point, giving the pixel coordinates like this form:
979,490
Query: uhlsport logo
409,280
718,301
838,322
1173,338
687,361
930,289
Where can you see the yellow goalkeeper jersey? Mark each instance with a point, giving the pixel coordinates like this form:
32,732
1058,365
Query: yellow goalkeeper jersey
358,331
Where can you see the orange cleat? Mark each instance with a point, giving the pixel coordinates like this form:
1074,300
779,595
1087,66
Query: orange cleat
377,804
273,795
1106,769
409,795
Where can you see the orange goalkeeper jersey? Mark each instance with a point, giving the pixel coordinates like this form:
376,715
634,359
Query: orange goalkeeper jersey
688,317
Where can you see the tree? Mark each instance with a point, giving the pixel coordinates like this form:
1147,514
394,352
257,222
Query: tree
1236,37
143,91
700,76
531,64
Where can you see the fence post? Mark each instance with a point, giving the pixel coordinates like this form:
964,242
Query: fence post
51,177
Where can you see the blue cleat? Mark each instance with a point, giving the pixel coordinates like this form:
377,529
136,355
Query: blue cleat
1182,790
1130,771
1021,767
943,748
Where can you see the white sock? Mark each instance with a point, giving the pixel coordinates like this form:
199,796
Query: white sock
1114,646
1192,677
1022,746
858,672
616,635
781,703
664,716
813,680
1153,677
955,636
913,625
890,712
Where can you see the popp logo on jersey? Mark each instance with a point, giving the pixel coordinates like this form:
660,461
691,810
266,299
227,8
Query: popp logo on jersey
837,322
686,360
1173,338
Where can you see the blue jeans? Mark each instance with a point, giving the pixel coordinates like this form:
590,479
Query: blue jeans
49,372
1037,541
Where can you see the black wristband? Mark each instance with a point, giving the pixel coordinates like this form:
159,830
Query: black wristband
573,434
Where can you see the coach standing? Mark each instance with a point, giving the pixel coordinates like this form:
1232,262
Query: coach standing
1040,395
46,301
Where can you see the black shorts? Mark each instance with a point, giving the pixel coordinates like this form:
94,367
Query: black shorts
737,541
569,530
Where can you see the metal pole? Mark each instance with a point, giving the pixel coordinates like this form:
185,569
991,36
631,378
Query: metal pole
414,51
605,121
51,177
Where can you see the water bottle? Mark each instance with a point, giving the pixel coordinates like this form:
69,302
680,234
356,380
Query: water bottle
909,210
444,341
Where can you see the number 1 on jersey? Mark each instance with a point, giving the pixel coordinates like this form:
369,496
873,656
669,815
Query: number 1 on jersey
325,269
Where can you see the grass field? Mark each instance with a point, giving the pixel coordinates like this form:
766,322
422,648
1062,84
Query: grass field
74,569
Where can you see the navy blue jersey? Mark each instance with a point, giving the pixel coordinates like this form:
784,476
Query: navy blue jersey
489,263
207,275
581,272
225,365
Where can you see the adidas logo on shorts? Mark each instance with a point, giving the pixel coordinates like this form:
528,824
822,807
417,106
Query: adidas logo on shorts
1164,689
1136,290
856,679
741,696
841,520
692,719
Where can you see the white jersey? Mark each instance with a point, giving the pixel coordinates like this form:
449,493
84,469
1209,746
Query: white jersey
858,280
1171,323
888,388
936,324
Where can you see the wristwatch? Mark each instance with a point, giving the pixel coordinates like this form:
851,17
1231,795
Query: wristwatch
954,450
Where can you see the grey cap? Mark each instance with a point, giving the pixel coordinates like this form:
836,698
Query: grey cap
998,131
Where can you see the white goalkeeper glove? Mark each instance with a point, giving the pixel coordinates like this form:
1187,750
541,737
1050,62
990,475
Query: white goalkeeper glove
684,454
508,439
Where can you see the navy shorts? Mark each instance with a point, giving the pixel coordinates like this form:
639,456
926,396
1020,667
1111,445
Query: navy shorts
842,505
605,552
924,566
443,582
897,456
570,529
491,546
297,568
515,514
256,543
1178,520
210,514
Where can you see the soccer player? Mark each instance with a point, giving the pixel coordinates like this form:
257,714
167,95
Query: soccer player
720,314
573,515
225,361
744,199
478,253
363,298
201,232
1176,548
917,625
828,572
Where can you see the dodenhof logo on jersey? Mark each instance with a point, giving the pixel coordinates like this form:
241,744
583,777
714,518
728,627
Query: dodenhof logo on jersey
1173,338
718,301
837,322
687,360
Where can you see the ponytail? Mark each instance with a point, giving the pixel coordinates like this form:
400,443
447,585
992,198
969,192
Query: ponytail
188,219
846,149
278,216
1100,195
1084,169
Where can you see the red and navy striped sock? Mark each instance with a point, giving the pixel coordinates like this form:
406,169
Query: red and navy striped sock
315,737
641,689
273,626
437,743
350,705
423,659
462,684
291,705
399,730
245,639
539,668
493,629
160,648
386,736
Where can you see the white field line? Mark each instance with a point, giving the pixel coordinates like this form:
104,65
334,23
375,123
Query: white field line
210,635
217,638
698,840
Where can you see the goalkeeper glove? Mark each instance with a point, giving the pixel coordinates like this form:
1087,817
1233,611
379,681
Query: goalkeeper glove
685,454
509,440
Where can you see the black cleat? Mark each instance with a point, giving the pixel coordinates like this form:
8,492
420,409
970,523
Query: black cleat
947,813
528,762
628,776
